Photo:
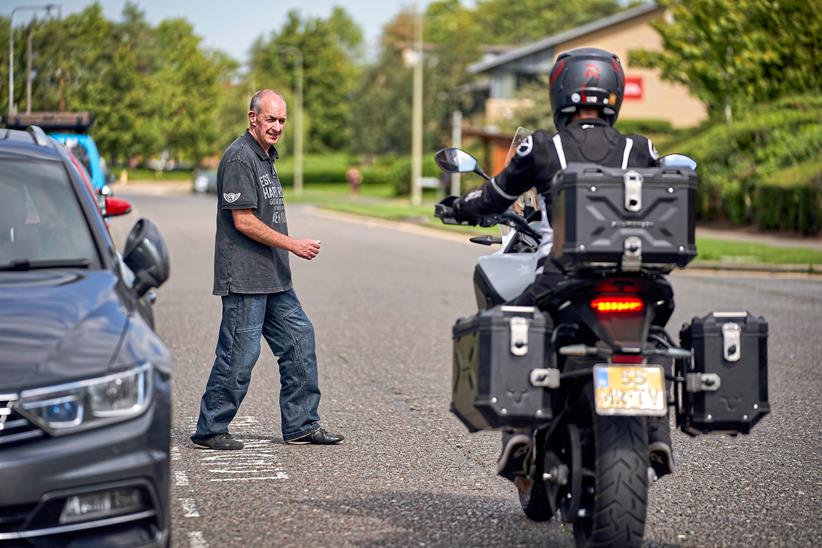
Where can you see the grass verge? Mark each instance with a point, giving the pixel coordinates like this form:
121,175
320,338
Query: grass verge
740,252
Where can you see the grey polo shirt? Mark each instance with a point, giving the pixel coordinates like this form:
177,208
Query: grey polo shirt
246,179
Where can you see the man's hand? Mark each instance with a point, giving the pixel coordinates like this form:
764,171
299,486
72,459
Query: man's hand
251,226
307,249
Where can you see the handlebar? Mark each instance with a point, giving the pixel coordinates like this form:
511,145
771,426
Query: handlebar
446,214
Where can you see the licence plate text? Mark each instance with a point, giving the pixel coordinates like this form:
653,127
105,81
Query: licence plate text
630,390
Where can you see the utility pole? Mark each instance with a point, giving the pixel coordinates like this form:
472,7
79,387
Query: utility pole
456,141
298,123
416,122
48,8
28,70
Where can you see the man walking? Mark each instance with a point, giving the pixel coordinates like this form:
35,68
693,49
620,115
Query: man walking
253,277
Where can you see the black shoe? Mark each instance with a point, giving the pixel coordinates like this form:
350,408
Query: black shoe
223,442
317,437
513,461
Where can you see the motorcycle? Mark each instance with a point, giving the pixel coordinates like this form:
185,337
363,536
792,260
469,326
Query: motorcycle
591,368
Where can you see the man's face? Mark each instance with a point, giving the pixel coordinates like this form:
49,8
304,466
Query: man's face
267,125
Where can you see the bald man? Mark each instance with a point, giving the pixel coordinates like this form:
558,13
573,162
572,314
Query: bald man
253,277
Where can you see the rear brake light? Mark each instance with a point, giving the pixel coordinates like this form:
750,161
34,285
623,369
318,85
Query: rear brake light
627,358
617,305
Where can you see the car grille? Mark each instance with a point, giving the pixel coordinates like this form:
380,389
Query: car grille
12,518
14,428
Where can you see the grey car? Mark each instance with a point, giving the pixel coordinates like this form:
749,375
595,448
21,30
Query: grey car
204,181
84,380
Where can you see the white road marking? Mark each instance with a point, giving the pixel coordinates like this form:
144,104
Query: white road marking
175,452
189,508
279,476
196,540
180,479
259,460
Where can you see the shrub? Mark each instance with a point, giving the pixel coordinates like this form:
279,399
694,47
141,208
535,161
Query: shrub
400,173
644,127
317,168
735,160
791,199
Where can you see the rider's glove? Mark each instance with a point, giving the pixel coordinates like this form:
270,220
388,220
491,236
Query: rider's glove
462,216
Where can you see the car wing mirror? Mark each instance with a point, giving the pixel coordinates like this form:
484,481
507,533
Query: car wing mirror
146,255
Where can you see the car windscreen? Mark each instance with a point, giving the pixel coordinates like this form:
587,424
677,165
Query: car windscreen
41,219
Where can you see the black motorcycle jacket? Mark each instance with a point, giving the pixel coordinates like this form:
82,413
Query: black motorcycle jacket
541,155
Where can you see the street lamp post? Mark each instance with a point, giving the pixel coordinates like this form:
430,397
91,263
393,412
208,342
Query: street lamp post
48,8
298,130
416,121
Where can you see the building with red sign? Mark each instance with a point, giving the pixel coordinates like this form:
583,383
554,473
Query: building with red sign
647,97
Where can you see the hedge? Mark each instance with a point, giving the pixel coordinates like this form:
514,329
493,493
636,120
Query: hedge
331,168
736,160
791,199
643,127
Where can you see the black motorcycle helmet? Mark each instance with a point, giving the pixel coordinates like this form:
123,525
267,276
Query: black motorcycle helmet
586,78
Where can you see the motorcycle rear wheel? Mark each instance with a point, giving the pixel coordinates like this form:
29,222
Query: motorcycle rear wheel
615,478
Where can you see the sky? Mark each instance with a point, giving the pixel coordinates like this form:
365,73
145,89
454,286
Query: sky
233,25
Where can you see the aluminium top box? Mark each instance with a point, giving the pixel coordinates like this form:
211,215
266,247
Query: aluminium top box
631,219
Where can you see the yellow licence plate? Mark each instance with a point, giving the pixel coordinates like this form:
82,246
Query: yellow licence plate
630,390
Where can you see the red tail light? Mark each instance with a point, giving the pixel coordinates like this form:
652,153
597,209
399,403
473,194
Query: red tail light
617,305
627,358
117,206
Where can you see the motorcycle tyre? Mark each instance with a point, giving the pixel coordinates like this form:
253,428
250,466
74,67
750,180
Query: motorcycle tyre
619,464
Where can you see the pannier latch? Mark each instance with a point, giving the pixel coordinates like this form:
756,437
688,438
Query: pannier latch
545,378
519,336
731,339
702,382
633,191
632,256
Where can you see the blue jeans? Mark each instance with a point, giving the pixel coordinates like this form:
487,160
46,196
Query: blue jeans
280,319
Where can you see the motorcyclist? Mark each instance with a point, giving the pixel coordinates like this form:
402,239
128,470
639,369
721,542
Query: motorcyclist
586,91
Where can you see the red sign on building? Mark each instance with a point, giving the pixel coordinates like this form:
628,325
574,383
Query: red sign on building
633,87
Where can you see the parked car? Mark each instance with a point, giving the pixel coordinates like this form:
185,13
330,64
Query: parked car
109,205
84,380
71,129
205,180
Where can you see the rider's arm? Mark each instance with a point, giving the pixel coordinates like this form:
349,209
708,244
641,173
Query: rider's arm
643,153
532,157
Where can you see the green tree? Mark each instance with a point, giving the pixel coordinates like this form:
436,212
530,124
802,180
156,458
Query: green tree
152,89
382,105
733,53
188,85
329,48
506,22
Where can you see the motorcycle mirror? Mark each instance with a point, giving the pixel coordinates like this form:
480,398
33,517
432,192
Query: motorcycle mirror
454,160
677,160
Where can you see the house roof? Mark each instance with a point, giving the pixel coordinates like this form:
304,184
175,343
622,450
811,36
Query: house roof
551,41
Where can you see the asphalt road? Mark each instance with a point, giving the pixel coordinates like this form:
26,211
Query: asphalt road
383,301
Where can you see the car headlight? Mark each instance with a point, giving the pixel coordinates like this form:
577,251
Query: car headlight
89,403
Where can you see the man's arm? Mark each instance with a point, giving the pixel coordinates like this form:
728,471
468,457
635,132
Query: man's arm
251,226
